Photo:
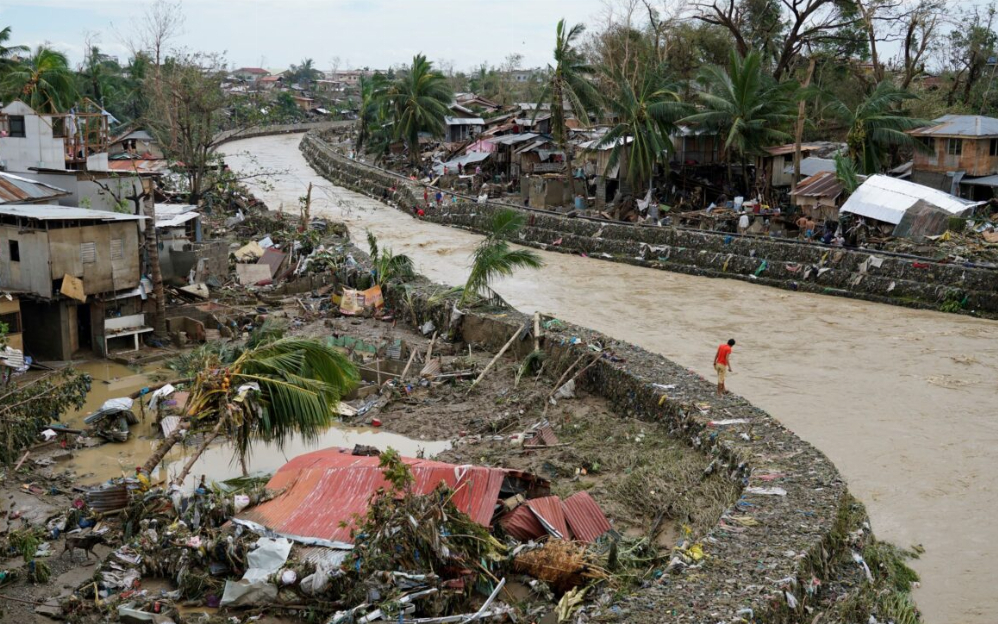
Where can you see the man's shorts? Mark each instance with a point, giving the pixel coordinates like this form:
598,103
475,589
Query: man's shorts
721,371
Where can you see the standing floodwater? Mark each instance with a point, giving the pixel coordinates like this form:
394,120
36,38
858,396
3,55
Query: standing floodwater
902,401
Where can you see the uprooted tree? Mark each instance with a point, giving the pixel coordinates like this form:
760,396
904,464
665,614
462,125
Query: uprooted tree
272,389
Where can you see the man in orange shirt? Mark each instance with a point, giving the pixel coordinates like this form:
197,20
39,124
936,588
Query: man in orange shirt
722,364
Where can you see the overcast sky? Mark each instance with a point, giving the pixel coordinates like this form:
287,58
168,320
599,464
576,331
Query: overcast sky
276,33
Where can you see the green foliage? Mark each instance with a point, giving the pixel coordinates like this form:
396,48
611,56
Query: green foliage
744,105
570,83
387,265
876,125
418,101
395,471
845,173
7,53
494,258
43,81
28,407
646,115
285,109
953,301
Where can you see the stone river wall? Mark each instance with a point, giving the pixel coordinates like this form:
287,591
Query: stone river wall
874,276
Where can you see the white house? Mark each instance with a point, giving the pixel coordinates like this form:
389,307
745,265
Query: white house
28,140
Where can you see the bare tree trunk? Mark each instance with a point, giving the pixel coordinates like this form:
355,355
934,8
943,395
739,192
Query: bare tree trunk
799,129
152,253
164,447
197,454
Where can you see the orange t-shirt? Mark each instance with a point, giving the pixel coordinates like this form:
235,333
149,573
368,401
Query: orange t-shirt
722,354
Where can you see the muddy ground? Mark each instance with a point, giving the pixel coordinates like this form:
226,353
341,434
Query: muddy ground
484,425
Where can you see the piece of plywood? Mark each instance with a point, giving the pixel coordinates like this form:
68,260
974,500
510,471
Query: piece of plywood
72,287
249,274
250,251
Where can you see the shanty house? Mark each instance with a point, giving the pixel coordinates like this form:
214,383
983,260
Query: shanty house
694,146
771,169
819,196
77,273
903,208
462,125
960,155
136,144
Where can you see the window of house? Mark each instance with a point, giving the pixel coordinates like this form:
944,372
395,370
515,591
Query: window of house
117,249
928,142
88,253
16,124
15,251
994,147
13,321
954,147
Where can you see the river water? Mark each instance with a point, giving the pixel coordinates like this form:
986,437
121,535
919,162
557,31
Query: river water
903,401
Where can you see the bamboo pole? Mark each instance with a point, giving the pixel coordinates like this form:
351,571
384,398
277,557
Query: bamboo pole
497,356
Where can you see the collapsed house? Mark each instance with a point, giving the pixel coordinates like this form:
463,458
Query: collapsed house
905,209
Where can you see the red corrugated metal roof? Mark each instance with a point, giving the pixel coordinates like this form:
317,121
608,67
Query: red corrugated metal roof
585,517
545,436
522,524
327,487
548,510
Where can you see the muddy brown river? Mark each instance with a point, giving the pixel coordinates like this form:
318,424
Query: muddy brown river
905,402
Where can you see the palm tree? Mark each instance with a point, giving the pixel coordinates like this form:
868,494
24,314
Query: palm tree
493,258
745,106
419,100
388,265
306,73
846,174
646,115
571,85
7,53
877,125
372,104
271,391
43,81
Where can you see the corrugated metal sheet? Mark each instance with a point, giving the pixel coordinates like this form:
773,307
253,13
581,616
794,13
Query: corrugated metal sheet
584,516
110,498
325,488
59,213
783,150
812,165
15,190
887,199
464,121
139,165
551,515
544,436
823,184
513,139
523,524
960,126
922,220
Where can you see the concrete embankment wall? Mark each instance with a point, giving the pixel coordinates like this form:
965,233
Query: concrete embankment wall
873,276
238,134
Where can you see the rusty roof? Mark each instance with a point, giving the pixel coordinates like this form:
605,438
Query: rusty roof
584,516
823,184
17,190
327,487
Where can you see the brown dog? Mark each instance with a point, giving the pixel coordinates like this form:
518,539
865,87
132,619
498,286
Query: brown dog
86,542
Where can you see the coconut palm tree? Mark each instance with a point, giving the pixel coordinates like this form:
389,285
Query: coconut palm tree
372,104
7,53
876,125
304,74
646,113
43,81
419,99
745,106
570,85
494,258
272,390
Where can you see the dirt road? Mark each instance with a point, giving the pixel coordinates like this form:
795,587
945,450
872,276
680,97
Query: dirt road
902,401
